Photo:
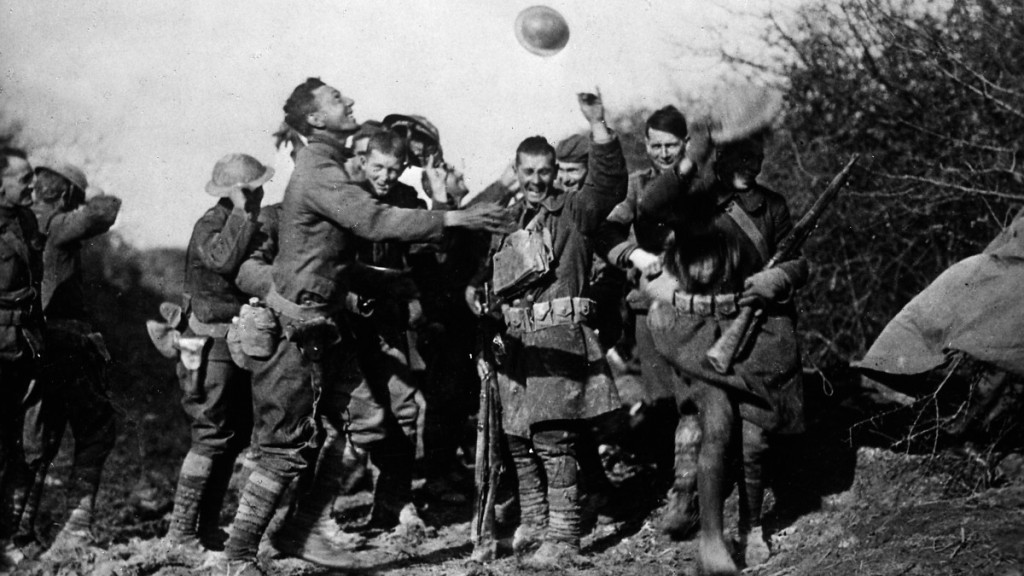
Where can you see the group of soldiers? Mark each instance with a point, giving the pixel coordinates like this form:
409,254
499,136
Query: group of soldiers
51,360
336,331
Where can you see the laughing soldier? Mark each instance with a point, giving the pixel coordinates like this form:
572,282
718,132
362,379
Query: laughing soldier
312,369
553,376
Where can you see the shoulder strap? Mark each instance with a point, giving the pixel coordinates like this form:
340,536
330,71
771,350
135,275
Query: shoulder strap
749,227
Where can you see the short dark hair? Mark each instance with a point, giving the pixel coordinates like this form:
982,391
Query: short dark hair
50,186
300,104
668,119
388,142
535,146
10,152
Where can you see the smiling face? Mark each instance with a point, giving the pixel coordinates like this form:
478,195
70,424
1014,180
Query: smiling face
571,175
664,149
17,183
536,174
383,171
334,111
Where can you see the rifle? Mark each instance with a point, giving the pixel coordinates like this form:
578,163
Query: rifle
723,352
488,431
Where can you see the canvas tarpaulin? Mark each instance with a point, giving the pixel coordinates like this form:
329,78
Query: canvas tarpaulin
975,306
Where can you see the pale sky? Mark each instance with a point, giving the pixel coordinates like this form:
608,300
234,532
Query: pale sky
148,95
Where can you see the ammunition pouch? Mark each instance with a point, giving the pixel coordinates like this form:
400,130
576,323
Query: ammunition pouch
557,312
720,305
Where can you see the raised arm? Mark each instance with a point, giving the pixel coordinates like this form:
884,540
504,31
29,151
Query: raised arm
92,219
223,248
606,182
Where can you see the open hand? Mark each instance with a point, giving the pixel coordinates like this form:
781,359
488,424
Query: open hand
592,106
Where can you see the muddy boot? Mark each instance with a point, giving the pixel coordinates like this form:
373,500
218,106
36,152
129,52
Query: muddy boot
392,490
183,531
682,516
75,535
239,568
309,532
533,503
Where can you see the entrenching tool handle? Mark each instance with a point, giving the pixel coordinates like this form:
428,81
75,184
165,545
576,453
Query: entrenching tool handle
721,355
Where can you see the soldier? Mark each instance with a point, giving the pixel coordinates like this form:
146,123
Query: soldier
638,249
216,393
73,372
312,369
21,338
726,226
553,376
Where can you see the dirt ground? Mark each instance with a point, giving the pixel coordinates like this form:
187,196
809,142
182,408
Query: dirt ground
837,505
835,510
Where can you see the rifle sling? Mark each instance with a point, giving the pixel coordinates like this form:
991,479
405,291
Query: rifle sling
743,220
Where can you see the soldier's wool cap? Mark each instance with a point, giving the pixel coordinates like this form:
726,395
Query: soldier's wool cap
237,171
575,149
68,171
413,123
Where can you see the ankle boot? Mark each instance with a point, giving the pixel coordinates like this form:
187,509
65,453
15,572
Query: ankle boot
533,503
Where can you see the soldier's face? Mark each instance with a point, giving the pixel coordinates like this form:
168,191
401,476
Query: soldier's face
17,183
383,171
356,164
571,175
739,165
664,149
334,111
536,175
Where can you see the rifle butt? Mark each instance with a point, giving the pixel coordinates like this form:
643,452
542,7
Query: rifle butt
722,354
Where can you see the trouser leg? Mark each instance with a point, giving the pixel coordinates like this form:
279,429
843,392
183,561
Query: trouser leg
716,415
285,393
92,421
682,514
217,400
45,419
15,477
755,446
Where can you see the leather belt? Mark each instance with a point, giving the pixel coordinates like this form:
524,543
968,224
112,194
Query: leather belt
300,312
557,312
706,304
213,329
